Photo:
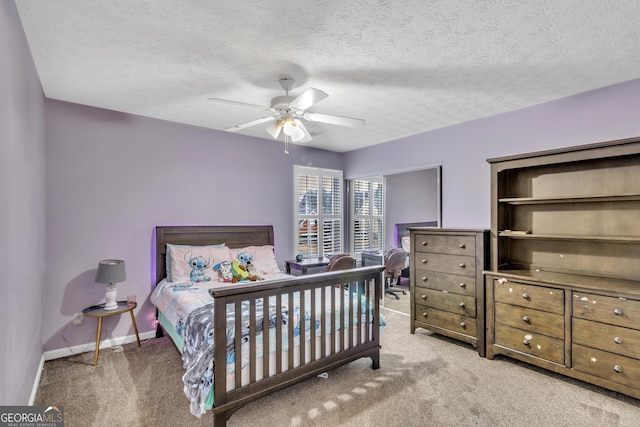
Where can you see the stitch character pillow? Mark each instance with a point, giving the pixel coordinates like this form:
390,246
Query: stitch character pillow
263,259
195,263
171,246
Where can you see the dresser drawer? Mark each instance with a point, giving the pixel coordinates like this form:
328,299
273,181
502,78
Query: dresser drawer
456,264
528,342
616,311
460,304
445,244
446,320
614,339
540,322
531,296
610,366
455,283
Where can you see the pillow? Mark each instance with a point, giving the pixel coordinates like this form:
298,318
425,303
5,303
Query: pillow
406,243
168,258
195,263
264,259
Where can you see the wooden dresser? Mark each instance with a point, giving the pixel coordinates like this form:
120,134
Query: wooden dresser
563,292
447,287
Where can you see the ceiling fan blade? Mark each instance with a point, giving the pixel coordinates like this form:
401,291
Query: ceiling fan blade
334,120
241,126
239,104
307,136
308,98
274,129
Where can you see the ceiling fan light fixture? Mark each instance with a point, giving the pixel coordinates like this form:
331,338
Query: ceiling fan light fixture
275,128
291,128
307,135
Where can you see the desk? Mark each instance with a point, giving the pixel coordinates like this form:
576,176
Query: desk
99,312
305,264
372,258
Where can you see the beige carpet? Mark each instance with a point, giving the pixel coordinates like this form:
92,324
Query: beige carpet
424,380
402,303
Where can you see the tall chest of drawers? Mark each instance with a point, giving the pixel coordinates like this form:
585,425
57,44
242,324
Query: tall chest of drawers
563,290
447,288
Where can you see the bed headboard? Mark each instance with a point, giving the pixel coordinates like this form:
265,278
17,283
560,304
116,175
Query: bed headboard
234,236
402,229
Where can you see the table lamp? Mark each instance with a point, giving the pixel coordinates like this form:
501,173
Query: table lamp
110,272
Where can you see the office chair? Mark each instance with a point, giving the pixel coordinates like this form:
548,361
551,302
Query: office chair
341,262
395,260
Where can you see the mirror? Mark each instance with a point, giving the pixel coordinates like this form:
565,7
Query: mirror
412,198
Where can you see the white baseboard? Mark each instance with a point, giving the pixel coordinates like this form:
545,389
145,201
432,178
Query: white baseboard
82,348
36,382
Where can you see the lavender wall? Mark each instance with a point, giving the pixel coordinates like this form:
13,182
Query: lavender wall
22,255
599,115
112,177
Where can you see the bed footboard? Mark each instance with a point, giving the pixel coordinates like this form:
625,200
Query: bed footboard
351,300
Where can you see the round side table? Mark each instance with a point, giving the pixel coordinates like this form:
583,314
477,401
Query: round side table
99,312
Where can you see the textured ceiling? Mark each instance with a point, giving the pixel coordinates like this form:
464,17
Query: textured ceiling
405,67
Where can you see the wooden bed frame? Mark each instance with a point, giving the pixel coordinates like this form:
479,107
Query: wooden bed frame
362,337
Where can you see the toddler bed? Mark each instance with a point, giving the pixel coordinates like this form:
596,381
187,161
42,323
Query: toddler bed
313,323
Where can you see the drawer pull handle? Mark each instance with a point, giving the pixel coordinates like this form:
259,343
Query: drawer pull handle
424,296
525,342
462,246
617,312
525,296
526,319
463,285
618,369
462,265
424,261
425,278
463,324
424,243
617,340
424,314
462,304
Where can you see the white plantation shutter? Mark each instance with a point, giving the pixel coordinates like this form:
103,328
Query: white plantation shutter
367,199
318,211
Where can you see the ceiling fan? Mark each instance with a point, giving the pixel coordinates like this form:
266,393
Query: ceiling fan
286,112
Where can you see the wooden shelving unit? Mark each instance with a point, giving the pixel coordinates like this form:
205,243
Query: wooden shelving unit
565,250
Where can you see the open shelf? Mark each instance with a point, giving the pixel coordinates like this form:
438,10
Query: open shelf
570,199
564,237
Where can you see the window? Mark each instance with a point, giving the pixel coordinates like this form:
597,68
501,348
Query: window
318,217
367,225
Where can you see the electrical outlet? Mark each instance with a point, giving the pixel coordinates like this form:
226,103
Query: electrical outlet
78,318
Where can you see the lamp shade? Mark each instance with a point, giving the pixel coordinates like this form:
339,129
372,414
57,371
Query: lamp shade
291,128
110,271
